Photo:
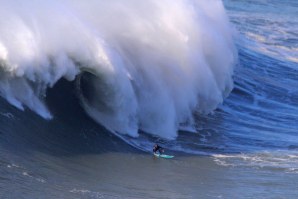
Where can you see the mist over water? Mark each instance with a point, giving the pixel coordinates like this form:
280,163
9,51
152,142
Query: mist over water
145,65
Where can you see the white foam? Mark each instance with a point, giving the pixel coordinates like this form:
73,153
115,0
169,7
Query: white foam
8,115
159,60
281,160
85,192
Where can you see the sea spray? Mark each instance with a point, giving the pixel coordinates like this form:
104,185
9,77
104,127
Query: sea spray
151,64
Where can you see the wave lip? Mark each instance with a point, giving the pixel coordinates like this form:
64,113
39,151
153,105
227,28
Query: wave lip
154,63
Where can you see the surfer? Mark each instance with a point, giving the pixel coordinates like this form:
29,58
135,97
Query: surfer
158,148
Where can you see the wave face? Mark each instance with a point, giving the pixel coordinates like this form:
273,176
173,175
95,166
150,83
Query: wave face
155,66
145,65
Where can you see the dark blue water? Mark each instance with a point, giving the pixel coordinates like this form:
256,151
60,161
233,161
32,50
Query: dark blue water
258,121
246,148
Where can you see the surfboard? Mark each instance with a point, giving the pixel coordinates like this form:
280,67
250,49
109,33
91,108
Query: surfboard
163,156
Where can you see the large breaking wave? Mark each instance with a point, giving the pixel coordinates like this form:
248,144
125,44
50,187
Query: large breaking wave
145,65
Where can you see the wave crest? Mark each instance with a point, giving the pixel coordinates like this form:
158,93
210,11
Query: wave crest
153,62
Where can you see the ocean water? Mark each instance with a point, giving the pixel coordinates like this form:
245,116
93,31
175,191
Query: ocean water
87,88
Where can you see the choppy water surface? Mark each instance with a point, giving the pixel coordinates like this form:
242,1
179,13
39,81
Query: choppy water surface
60,94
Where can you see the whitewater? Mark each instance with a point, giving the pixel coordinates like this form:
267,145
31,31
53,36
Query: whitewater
152,64
88,87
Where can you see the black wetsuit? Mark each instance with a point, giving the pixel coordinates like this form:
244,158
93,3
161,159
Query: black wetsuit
157,148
